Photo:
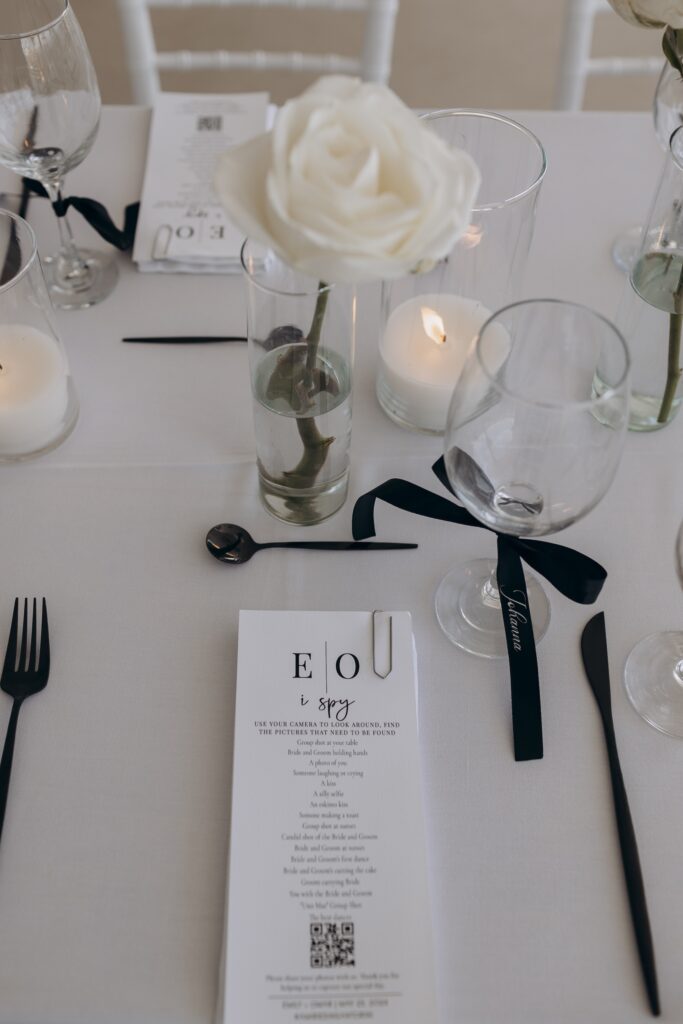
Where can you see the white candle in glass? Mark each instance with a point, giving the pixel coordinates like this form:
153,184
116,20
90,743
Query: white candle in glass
33,389
422,353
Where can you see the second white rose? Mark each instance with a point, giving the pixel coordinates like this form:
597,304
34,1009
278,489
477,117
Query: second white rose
650,13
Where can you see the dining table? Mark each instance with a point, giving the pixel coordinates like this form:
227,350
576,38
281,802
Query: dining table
115,847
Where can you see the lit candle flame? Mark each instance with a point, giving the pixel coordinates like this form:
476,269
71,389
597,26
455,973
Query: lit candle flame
433,325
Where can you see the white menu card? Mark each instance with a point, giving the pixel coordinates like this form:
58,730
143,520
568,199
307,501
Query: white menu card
182,226
327,913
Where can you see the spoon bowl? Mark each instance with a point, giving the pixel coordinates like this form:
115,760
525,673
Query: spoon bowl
234,545
230,543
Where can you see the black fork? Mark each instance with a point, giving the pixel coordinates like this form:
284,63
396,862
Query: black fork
21,677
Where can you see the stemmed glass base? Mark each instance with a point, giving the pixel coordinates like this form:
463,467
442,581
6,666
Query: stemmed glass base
628,244
654,681
625,249
468,608
77,284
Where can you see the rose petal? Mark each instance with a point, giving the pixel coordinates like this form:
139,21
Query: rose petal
650,13
351,185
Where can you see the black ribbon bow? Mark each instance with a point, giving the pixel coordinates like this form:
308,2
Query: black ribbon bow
95,214
572,573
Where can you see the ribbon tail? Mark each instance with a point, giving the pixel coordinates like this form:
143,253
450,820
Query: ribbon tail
439,470
95,214
574,574
98,218
410,498
33,186
527,726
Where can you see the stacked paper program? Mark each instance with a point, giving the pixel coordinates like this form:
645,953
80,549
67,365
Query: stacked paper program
327,913
182,226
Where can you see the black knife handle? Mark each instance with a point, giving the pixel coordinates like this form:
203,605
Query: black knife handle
338,545
633,873
185,339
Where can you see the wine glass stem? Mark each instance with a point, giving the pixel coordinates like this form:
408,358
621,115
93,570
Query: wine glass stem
490,595
72,267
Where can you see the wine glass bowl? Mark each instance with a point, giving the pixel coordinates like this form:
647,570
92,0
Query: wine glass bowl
653,676
532,444
49,116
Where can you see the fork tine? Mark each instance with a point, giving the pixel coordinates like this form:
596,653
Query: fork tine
11,654
44,655
24,631
31,667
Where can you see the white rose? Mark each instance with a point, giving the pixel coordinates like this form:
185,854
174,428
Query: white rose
350,185
651,13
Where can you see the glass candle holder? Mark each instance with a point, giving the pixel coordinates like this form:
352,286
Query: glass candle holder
38,404
430,319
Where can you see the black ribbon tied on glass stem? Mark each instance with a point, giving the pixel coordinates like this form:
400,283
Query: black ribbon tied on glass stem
572,573
95,214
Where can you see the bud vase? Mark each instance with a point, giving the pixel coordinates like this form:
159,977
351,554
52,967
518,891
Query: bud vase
301,336
650,314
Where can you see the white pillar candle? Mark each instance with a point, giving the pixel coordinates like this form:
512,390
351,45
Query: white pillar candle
422,353
33,389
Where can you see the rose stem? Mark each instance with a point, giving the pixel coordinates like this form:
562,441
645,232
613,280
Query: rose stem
314,454
313,339
673,370
315,445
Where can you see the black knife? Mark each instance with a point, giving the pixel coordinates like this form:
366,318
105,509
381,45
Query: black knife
185,339
594,653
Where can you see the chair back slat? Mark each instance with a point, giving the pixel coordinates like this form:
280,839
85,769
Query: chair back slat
145,62
577,65
332,5
255,60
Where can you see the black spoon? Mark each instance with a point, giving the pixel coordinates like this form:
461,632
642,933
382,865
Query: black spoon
232,544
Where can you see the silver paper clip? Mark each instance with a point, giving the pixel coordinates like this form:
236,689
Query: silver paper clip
382,643
162,241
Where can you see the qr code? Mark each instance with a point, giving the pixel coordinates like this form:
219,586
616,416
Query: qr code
332,944
209,123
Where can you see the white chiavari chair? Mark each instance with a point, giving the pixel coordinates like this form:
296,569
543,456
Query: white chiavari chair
145,62
577,64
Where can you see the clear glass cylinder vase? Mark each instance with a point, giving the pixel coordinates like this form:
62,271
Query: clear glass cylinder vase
301,335
650,313
431,318
667,114
38,404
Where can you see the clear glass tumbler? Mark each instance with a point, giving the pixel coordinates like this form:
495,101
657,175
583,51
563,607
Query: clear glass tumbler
38,404
667,114
419,363
650,313
301,335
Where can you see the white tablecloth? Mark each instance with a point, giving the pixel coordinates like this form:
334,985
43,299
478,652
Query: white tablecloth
113,857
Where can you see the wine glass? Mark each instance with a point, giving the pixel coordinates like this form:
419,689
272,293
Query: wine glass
667,113
531,445
49,115
653,676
